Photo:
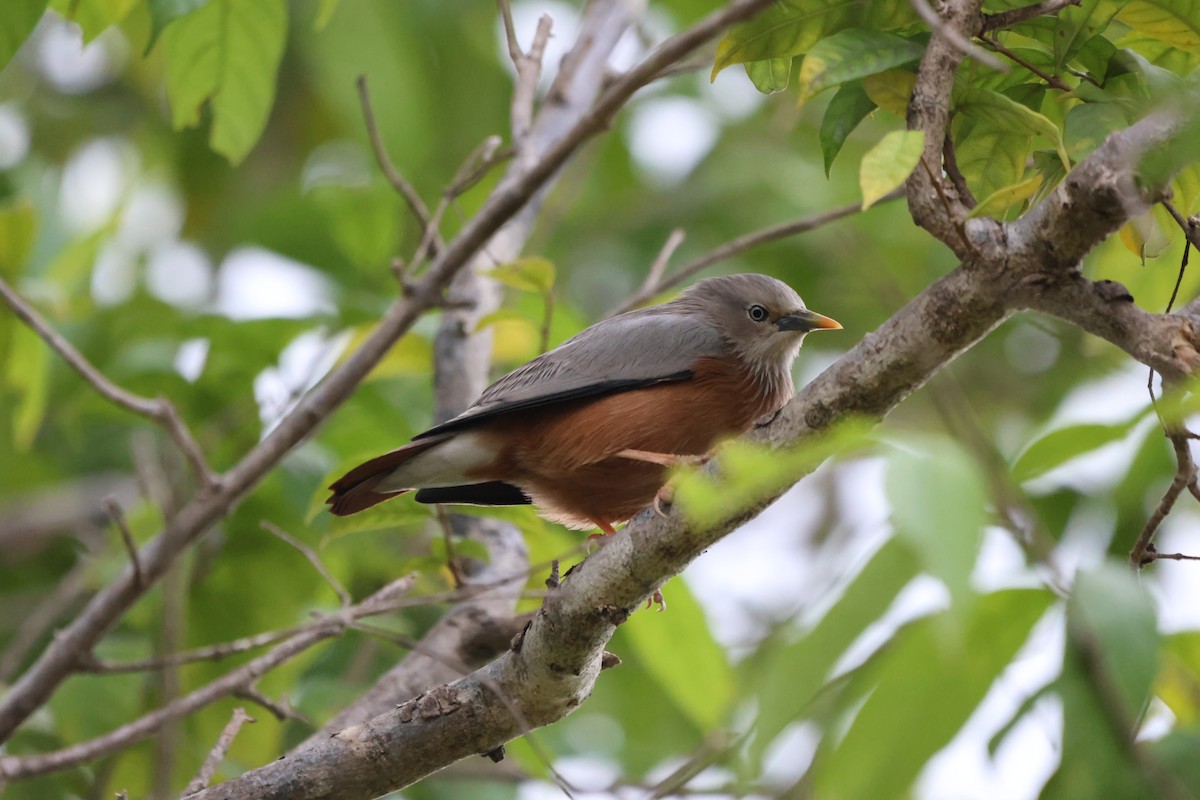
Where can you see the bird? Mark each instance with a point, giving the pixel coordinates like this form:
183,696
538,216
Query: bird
589,431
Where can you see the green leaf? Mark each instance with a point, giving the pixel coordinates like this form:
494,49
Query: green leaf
16,23
927,683
847,108
1174,22
164,12
770,76
28,376
226,53
1187,189
1077,25
982,105
530,274
18,225
792,27
888,164
786,678
938,505
93,16
890,90
701,684
1088,125
1060,446
851,54
999,201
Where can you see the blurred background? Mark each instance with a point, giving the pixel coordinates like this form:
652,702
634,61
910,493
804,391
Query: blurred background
233,289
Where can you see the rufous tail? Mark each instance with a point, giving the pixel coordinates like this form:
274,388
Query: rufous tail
355,491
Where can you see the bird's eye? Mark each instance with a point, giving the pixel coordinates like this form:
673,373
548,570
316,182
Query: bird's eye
757,313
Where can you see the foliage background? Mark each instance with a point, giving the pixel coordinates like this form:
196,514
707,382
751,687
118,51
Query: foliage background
145,245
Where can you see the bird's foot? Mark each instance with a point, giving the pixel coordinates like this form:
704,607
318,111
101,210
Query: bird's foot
663,499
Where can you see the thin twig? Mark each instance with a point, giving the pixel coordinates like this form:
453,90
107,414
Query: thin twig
217,755
1190,225
415,204
118,518
650,286
950,164
955,218
1006,19
529,71
954,37
510,33
48,610
326,627
282,711
1185,475
343,596
1054,82
158,409
745,242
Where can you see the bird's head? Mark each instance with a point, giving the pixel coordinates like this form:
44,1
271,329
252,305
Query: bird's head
763,319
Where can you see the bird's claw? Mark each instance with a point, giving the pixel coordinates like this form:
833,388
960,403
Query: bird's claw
657,598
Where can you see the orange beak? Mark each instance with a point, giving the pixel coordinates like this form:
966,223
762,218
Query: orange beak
807,321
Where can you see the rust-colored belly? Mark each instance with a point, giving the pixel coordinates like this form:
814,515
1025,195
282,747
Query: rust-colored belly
563,456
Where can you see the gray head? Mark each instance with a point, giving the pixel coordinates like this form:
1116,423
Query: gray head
762,319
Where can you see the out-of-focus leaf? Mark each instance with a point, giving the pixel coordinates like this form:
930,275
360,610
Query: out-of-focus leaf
1088,125
1160,54
890,90
1095,55
792,27
325,13
1175,753
1111,659
398,513
16,23
363,220
999,201
93,16
786,678
1187,190
1143,237
18,224
1178,683
851,54
1060,446
226,53
28,376
938,505
888,164
530,274
701,684
1175,22
164,12
771,75
1077,25
411,355
927,683
847,108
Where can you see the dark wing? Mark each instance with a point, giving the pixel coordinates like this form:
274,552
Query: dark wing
641,348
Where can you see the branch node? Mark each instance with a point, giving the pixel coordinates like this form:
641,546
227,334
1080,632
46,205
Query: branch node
118,518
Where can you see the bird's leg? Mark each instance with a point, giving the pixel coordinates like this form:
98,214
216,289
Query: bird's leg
663,459
606,529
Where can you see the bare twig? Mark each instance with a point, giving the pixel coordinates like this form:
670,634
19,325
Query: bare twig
1051,80
950,164
343,596
1185,476
282,711
326,627
217,755
741,244
49,609
952,211
529,70
118,518
415,204
954,37
1189,225
1006,19
649,286
158,409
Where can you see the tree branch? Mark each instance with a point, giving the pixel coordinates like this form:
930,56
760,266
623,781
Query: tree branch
1006,19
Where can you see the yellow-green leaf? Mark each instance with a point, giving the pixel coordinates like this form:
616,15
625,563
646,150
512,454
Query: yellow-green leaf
1003,199
28,375
770,76
18,224
226,54
1144,238
890,90
325,13
1009,115
1175,22
530,274
93,16
888,164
